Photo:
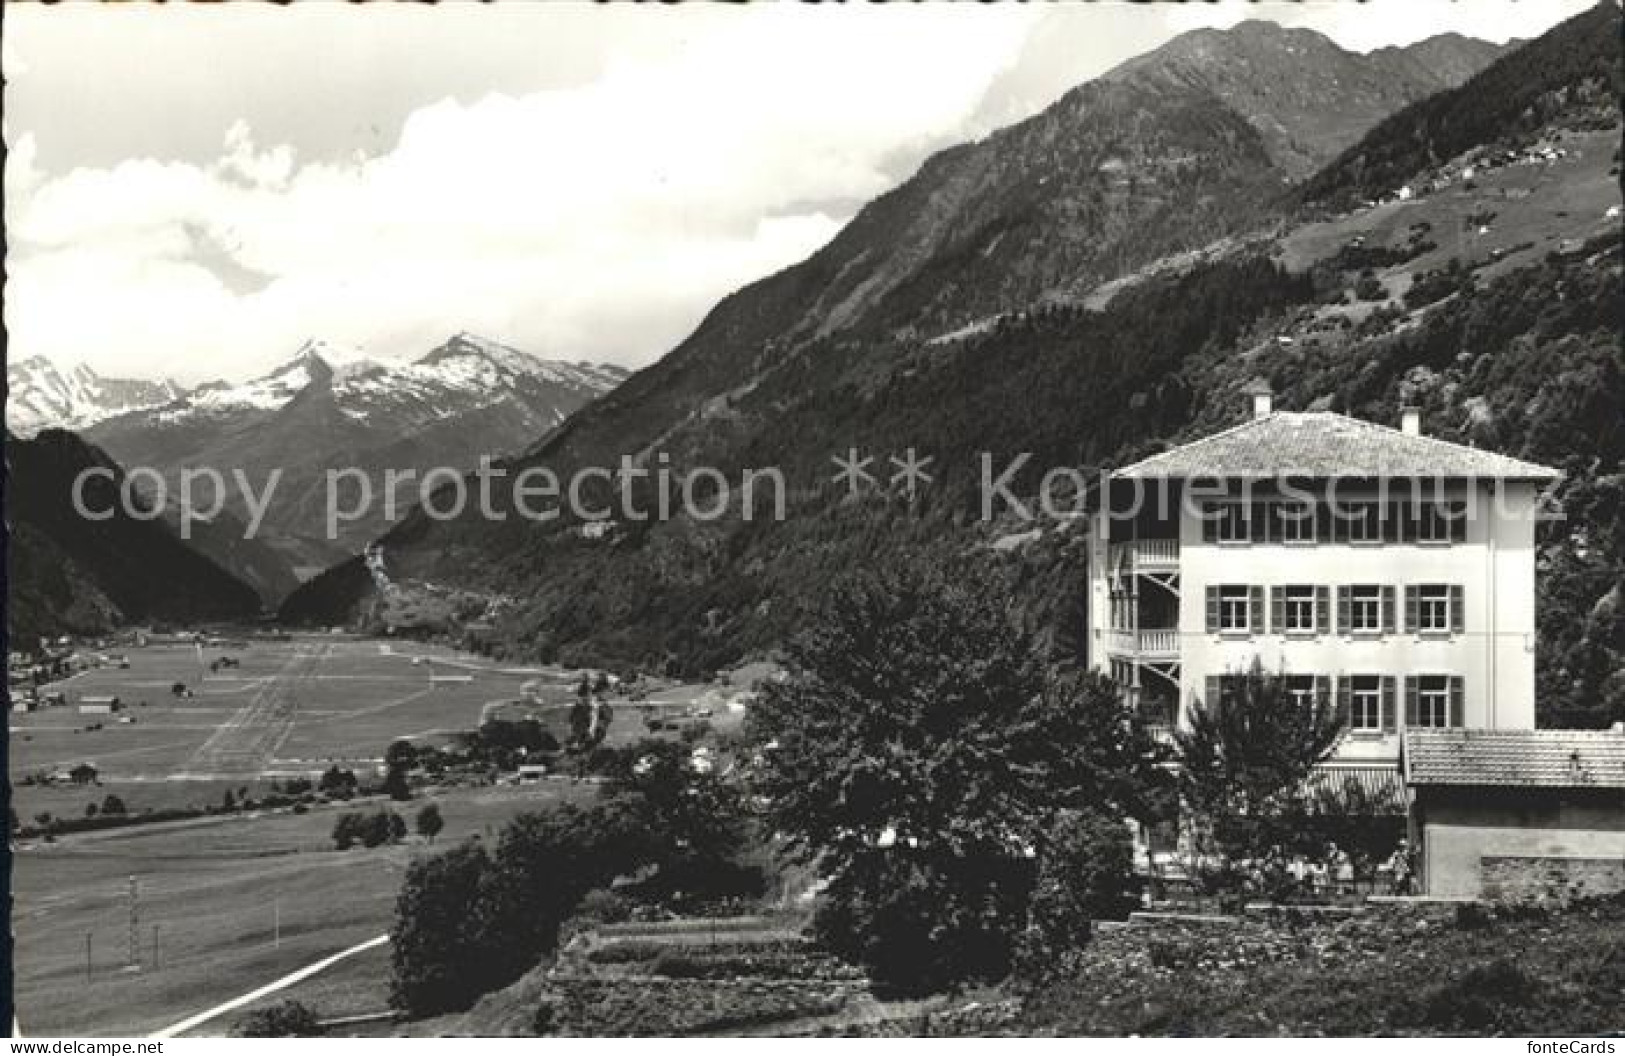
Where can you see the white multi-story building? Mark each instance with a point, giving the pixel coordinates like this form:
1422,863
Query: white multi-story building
1384,570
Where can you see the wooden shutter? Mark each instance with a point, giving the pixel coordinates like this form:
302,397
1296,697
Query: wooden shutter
1405,514
1278,609
1412,696
1456,702
1387,610
1323,693
1458,521
1412,600
1255,608
1345,699
1343,600
1212,693
1388,703
1212,610
1393,523
1210,523
1323,607
1339,513
1457,615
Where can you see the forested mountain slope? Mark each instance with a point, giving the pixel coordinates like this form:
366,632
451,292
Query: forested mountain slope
987,349
67,573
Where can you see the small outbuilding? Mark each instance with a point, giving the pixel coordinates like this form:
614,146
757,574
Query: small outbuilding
99,705
1518,814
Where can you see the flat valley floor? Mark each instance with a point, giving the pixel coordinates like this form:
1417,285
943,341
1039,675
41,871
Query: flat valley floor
227,903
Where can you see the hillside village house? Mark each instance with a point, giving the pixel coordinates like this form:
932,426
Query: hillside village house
1386,570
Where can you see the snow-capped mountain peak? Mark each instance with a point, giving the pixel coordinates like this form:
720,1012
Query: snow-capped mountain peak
41,395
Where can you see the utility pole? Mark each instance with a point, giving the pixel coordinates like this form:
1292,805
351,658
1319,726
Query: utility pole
155,947
135,925
87,957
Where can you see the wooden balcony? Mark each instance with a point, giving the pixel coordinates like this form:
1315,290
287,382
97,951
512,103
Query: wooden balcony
1145,555
1158,644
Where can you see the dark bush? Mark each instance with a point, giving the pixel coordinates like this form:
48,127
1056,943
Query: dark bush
288,1019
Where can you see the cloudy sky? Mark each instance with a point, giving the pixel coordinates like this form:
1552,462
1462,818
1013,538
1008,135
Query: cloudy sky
193,190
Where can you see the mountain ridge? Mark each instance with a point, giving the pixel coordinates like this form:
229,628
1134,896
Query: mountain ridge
1029,220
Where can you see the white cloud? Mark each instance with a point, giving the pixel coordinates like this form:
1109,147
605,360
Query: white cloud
669,156
594,220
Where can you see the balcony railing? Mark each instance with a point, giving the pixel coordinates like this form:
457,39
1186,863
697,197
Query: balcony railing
1146,555
1160,643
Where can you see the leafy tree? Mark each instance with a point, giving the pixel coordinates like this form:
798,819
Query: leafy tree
396,786
286,1019
918,752
429,822
1085,873
346,831
581,713
693,817
400,755
340,784
439,945
1246,756
113,805
468,921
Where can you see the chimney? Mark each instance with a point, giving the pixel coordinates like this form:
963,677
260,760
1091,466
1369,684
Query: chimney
1263,399
1410,421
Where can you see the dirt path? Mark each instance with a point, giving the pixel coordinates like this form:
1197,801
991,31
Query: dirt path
283,983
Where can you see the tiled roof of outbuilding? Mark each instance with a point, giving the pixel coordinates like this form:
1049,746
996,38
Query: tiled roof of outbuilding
1516,758
1325,444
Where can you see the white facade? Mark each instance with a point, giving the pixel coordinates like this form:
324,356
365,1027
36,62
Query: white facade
1429,623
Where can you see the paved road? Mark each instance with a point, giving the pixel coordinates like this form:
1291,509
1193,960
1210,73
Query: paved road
283,983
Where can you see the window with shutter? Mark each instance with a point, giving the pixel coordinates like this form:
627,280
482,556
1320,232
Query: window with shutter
1458,611
1458,522
1388,703
1388,610
1323,610
1295,610
1457,702
1210,524
1361,701
1365,609
1345,700
1212,686
1435,704
1278,610
1433,608
1236,609
1411,699
1412,594
1342,610
1213,610
1323,693
1256,605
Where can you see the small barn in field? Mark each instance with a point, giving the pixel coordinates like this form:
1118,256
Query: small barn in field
1518,814
99,705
